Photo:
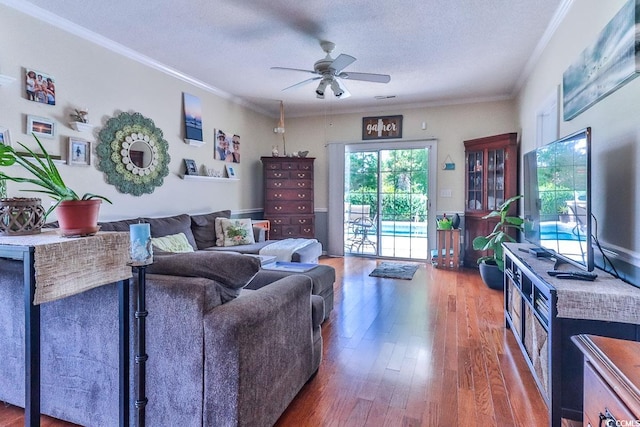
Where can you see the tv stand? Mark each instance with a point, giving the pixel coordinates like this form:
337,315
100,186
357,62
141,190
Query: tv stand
543,312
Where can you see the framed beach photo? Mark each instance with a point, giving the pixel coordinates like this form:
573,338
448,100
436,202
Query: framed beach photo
79,152
5,138
231,171
41,126
190,167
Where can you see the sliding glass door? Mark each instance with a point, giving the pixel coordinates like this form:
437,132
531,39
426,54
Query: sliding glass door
386,201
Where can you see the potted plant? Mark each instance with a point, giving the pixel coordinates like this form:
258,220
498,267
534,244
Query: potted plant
492,265
76,215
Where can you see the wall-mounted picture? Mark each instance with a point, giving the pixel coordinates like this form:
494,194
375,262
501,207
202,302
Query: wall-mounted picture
40,87
79,152
192,117
605,66
226,147
231,171
5,138
190,167
41,126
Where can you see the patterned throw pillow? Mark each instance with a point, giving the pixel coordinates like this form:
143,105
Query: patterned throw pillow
175,243
237,231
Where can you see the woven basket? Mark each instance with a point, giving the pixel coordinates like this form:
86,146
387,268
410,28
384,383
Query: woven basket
20,216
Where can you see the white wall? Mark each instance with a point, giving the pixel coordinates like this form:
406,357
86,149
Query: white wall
613,120
450,125
87,75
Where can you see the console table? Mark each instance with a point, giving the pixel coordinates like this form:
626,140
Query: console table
57,267
544,312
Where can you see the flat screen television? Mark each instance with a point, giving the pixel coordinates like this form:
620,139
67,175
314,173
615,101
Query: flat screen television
557,199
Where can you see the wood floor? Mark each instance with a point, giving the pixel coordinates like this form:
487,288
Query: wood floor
432,351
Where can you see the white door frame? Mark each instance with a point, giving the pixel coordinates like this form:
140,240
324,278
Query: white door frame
336,152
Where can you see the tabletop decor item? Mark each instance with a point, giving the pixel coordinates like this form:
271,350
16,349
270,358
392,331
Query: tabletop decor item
141,251
76,215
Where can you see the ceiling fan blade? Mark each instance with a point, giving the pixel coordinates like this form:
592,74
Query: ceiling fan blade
293,69
367,77
341,62
302,83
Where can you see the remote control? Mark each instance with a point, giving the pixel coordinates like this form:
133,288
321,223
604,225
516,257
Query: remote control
575,275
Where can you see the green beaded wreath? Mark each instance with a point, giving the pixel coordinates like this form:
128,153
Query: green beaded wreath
115,141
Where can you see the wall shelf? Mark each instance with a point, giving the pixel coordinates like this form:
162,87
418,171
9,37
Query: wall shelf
206,178
81,127
5,80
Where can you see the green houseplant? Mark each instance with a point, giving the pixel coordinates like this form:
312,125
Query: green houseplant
494,240
48,180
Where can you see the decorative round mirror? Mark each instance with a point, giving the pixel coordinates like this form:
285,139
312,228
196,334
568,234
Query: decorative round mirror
133,154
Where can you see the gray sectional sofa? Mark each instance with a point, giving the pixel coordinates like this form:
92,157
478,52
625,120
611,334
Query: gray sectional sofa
219,354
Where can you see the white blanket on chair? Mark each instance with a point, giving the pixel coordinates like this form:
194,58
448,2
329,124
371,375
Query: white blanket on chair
283,249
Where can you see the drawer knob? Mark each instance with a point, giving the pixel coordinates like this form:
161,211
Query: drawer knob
277,184
302,196
302,184
278,195
302,221
300,175
277,208
302,208
277,175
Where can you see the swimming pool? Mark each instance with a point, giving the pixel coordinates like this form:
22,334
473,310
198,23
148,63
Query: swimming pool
403,228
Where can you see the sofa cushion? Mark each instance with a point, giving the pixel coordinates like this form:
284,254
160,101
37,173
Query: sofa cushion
204,228
236,231
122,225
165,226
232,271
174,243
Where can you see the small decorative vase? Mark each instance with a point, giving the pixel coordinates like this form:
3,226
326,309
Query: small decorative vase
274,151
20,216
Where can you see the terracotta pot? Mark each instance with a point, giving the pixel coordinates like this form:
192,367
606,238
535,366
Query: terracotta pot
78,217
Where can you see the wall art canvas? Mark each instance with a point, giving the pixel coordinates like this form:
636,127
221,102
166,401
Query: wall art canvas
226,147
192,117
40,87
606,65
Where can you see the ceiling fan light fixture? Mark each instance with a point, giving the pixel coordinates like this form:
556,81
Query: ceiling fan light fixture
337,90
321,88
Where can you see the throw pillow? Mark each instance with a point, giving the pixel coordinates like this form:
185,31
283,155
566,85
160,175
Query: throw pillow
173,243
203,227
166,226
237,231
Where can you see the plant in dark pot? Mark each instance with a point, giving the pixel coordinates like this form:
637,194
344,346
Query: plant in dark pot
77,216
492,264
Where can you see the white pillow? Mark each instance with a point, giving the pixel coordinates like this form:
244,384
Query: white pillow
236,231
172,243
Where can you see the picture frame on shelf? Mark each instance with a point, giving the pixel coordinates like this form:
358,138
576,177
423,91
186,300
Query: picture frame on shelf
190,167
5,136
79,152
232,172
41,126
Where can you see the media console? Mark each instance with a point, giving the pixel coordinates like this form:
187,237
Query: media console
544,312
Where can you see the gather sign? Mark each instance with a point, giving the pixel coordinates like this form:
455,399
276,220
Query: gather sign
384,127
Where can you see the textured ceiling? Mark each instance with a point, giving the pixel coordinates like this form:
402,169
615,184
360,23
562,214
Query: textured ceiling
436,51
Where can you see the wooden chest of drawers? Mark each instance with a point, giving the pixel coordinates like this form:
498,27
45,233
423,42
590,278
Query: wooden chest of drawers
288,196
611,380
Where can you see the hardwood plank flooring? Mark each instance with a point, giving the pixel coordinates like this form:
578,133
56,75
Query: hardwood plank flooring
432,351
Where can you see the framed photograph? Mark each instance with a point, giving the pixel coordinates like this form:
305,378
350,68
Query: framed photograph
39,87
5,138
190,167
79,152
41,126
231,171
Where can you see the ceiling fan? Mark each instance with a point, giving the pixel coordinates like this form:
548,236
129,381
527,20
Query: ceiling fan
329,72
